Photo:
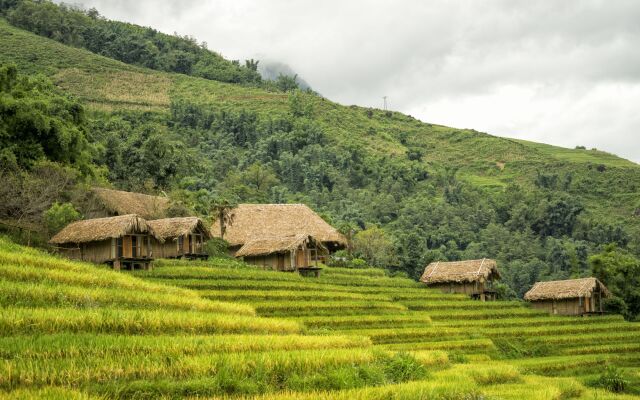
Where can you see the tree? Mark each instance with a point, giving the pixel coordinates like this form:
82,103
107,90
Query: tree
60,215
375,246
287,83
222,210
620,272
26,195
260,177
37,122
348,229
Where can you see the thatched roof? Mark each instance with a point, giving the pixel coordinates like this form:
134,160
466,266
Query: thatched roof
567,289
124,203
271,245
91,230
258,221
170,228
460,271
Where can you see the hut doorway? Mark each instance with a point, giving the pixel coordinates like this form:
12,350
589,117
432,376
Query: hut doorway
281,261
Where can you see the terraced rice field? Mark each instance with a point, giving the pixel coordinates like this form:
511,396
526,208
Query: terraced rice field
226,330
399,315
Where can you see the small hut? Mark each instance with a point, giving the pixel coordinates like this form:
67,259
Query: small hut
110,203
287,253
123,241
179,238
472,277
262,221
568,297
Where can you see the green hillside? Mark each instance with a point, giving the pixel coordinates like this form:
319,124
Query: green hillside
74,330
420,192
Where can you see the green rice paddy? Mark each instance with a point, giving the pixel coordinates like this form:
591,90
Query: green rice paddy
71,330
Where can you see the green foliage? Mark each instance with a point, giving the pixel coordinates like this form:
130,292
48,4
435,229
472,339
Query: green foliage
217,247
59,216
375,246
620,272
37,122
287,83
403,367
131,44
613,380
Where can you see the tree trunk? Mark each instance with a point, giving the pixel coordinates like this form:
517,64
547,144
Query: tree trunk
221,218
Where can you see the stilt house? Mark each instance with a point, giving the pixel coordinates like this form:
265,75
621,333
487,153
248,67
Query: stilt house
289,253
179,238
568,297
123,241
472,277
267,221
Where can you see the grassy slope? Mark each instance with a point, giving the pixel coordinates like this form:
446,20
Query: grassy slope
484,160
176,333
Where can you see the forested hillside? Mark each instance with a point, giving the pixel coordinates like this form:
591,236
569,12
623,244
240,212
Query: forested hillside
406,191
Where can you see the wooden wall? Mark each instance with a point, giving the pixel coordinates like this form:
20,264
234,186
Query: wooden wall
463,287
96,252
168,249
302,257
104,250
276,261
569,306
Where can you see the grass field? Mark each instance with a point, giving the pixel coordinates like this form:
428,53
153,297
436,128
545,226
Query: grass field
223,329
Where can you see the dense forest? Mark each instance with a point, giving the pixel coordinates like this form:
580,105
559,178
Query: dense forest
399,210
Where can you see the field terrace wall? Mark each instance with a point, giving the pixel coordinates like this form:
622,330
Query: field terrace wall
110,203
259,221
289,253
568,297
472,277
179,237
120,241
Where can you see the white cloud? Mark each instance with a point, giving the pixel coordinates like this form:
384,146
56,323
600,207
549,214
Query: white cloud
561,72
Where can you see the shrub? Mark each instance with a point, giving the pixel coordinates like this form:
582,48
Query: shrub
60,215
403,367
612,379
216,247
357,263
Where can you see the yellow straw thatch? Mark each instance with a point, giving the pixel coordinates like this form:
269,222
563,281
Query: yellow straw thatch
169,228
257,221
270,245
566,289
96,229
124,203
460,271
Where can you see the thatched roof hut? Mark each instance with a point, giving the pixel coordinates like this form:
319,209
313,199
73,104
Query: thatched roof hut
284,253
460,271
98,229
472,277
260,221
180,237
169,228
270,245
568,297
566,289
109,202
120,241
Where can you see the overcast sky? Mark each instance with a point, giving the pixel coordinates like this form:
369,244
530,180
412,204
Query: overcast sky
560,72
